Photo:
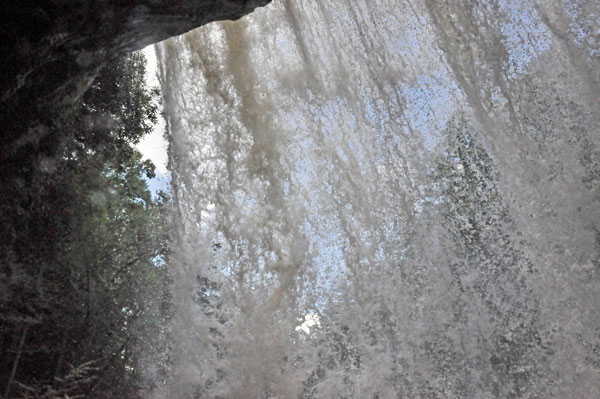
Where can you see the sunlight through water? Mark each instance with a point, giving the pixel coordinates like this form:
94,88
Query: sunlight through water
387,199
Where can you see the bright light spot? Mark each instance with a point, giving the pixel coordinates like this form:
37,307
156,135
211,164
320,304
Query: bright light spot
310,320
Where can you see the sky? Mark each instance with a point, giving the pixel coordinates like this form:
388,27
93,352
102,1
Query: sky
154,146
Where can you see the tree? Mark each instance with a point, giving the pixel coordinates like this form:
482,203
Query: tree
486,264
87,251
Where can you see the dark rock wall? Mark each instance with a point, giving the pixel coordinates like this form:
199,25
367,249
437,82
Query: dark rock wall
52,49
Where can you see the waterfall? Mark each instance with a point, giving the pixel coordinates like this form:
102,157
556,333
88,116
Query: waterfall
387,199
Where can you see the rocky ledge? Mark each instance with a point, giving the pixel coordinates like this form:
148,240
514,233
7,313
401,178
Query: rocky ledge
52,49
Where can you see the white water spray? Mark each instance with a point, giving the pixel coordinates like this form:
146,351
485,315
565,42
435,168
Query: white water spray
381,199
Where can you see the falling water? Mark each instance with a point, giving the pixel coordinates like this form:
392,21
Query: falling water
387,199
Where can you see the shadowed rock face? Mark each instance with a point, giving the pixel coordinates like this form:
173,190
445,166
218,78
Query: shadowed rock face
52,49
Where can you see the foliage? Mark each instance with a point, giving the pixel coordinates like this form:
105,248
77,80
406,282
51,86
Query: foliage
486,263
68,387
85,275
470,195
